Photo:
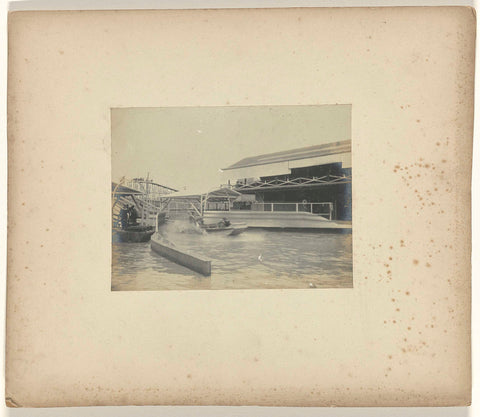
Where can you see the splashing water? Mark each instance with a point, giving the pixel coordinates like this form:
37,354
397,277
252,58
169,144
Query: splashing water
254,259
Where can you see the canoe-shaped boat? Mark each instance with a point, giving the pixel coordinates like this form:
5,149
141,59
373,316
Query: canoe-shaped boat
230,230
238,228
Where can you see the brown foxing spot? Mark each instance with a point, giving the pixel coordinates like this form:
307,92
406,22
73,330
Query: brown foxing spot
415,261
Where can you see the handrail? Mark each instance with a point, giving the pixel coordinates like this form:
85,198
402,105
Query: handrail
321,208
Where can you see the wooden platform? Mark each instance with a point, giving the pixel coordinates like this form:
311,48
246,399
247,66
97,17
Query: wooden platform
278,220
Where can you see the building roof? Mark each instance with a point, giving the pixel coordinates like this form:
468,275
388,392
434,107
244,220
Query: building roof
332,148
124,190
223,192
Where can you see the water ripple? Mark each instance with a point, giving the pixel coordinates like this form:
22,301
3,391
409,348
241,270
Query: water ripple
254,259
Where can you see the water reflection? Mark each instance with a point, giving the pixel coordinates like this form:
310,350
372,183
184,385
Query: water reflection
254,259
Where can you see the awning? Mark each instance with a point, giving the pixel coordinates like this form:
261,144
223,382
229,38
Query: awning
221,192
123,190
250,198
332,148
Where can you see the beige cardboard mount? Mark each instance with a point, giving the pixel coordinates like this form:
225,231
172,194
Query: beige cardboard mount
399,337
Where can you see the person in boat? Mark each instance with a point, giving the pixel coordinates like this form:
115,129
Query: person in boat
224,222
124,217
133,215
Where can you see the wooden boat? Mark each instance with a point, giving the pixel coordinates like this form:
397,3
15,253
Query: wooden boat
180,256
238,228
132,234
230,230
125,227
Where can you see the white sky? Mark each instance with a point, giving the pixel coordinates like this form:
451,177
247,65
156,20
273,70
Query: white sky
186,146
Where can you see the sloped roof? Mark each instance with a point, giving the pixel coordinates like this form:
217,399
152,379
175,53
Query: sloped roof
332,148
219,192
124,190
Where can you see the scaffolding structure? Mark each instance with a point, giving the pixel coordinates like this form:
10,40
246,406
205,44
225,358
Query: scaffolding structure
278,183
145,194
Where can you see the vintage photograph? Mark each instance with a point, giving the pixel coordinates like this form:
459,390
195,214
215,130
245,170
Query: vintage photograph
251,197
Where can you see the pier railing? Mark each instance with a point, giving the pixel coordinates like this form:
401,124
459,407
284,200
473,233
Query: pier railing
151,190
321,209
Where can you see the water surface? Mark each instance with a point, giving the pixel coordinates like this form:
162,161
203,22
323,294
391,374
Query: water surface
254,259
